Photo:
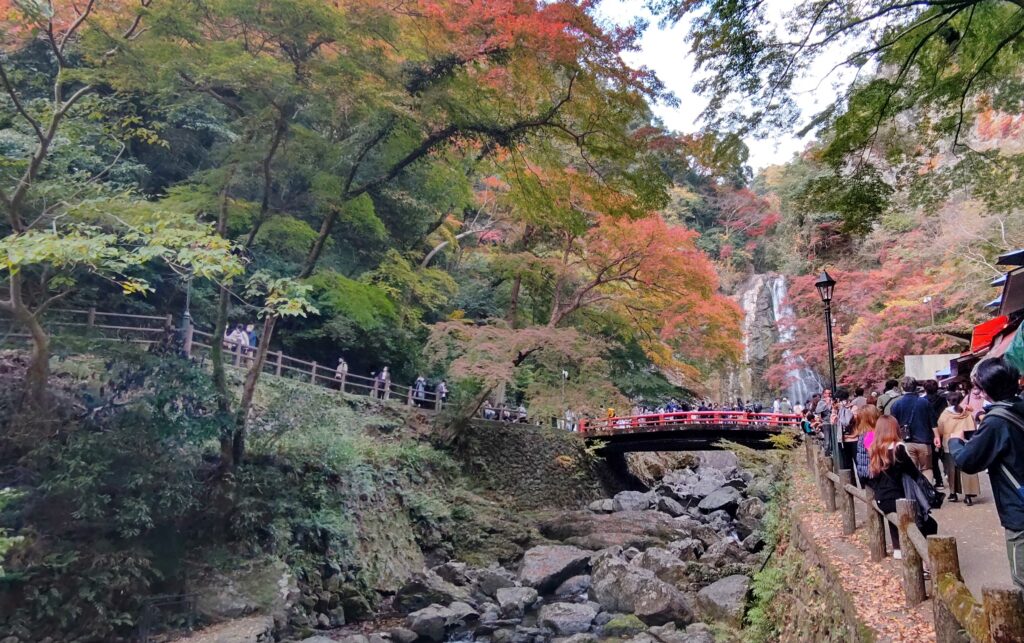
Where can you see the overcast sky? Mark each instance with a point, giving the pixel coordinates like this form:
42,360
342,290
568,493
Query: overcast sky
666,52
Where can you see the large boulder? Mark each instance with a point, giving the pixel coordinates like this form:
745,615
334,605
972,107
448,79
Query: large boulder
604,506
725,600
430,622
621,587
545,567
725,552
513,601
723,498
263,586
686,549
589,530
566,619
670,506
623,625
632,501
462,612
750,512
490,580
425,589
663,564
574,587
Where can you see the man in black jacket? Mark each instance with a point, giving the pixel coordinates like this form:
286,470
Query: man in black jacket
998,445
915,416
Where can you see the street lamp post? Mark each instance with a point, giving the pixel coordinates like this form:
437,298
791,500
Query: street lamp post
931,310
186,318
826,287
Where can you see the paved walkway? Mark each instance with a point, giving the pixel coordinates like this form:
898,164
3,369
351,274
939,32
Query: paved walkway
979,539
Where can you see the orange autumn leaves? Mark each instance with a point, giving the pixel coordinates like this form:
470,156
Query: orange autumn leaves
652,274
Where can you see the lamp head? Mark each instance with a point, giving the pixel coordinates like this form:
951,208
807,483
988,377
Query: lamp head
825,285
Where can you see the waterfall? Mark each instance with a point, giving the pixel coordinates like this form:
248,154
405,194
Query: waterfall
802,381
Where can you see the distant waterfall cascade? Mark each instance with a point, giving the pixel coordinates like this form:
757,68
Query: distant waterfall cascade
803,382
767,320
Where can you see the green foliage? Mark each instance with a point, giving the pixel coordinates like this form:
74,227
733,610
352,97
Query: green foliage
858,199
285,240
774,577
121,479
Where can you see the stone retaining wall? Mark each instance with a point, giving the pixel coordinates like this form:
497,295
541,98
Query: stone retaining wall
533,467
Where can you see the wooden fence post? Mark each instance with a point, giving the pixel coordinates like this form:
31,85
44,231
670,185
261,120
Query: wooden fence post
822,478
1005,611
829,491
437,400
90,319
876,527
186,342
913,566
846,506
312,377
944,560
278,365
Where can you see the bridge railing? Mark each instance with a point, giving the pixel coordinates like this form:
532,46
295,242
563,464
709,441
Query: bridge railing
958,616
655,421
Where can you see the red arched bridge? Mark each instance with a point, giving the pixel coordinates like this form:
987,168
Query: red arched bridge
686,430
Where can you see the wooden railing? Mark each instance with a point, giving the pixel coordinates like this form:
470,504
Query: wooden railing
958,616
146,329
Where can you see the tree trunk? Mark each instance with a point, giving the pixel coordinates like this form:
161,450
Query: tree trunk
249,391
513,306
220,381
38,374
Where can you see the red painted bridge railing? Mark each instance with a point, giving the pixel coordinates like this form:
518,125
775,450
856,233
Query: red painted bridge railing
689,419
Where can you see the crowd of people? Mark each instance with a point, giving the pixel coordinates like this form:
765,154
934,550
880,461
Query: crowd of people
914,438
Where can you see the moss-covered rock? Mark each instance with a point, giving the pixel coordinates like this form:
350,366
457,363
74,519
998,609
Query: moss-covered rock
624,625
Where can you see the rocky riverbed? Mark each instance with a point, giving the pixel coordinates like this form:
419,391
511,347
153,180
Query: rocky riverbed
670,564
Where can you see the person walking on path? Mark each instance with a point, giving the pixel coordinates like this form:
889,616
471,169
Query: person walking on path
998,446
823,409
340,373
382,384
889,395
867,419
858,398
938,403
915,418
420,389
956,420
845,421
889,463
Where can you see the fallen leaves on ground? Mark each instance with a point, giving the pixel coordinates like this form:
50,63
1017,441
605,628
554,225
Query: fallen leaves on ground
876,589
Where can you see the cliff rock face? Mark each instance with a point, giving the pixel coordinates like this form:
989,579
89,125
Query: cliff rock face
763,300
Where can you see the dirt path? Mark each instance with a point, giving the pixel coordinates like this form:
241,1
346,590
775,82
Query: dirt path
874,588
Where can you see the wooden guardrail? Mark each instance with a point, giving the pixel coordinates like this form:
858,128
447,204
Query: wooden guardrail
958,616
146,329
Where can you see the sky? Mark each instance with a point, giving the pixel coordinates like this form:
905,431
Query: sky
666,52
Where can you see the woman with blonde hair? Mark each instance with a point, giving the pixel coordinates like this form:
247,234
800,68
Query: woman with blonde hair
889,464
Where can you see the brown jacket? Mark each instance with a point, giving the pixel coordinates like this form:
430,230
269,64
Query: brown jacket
951,422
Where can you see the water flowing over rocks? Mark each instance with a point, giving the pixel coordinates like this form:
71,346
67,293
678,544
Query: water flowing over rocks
644,567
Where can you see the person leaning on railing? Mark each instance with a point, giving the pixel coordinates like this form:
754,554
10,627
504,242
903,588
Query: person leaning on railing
998,446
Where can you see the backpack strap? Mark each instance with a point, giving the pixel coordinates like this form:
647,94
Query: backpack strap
1010,416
